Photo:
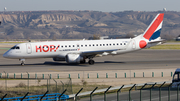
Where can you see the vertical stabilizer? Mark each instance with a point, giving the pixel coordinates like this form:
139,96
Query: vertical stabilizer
154,29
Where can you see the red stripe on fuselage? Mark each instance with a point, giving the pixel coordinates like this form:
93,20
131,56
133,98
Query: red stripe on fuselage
154,26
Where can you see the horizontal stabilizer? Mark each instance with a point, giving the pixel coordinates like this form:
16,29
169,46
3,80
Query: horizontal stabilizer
157,41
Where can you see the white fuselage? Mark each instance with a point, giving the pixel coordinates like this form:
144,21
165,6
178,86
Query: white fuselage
62,48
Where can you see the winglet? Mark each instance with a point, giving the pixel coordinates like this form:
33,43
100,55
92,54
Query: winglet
154,29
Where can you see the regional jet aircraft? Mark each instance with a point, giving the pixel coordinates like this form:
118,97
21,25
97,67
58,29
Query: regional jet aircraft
79,51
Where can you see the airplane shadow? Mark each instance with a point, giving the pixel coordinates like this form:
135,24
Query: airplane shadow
49,63
113,62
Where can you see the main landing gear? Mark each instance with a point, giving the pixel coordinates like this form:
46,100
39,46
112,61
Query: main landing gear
22,61
83,61
91,61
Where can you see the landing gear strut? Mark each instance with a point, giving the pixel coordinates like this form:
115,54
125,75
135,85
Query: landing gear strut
22,61
91,62
83,61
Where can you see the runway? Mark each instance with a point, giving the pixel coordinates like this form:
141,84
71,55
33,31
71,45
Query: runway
143,59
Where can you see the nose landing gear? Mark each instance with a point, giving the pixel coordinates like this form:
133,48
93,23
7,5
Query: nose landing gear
22,61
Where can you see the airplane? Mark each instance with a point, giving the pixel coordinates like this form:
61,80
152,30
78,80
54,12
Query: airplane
78,51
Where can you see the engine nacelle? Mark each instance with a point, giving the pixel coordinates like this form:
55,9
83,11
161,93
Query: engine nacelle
58,59
73,58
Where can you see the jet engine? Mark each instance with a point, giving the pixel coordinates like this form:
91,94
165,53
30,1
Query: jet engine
73,58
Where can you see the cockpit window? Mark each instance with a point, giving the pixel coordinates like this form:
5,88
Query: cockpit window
15,47
176,77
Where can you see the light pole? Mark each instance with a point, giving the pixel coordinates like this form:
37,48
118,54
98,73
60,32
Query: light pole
28,80
5,80
56,85
49,83
62,84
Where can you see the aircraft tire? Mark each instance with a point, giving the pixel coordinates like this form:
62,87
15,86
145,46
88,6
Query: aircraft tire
91,62
22,64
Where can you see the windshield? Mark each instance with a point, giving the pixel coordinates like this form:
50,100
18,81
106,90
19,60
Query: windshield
15,47
176,77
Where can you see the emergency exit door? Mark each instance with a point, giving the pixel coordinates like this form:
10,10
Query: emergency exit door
28,48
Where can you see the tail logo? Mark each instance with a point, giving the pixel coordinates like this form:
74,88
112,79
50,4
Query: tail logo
154,30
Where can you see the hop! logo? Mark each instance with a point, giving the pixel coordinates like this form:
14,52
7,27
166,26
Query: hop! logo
47,48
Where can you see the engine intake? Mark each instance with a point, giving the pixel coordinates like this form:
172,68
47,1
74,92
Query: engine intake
73,58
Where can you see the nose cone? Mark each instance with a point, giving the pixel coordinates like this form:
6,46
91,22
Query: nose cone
5,55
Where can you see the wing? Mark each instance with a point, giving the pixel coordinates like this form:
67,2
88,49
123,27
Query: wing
94,53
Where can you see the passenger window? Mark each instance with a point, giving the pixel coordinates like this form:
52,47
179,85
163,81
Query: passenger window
100,44
103,44
77,45
65,46
90,45
86,45
120,43
73,45
113,44
69,45
117,44
62,46
110,44
124,43
93,44
106,44
96,44
44,47
81,45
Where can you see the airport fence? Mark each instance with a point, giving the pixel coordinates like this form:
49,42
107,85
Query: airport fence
37,83
19,87
88,75
160,91
135,92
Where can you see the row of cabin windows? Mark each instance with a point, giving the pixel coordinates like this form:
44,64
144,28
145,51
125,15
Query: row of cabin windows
85,45
94,45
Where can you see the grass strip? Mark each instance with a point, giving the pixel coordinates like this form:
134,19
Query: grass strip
166,46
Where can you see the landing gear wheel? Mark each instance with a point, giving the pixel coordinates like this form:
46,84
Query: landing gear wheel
91,62
22,64
22,61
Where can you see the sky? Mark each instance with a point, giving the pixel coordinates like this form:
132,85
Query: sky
95,5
